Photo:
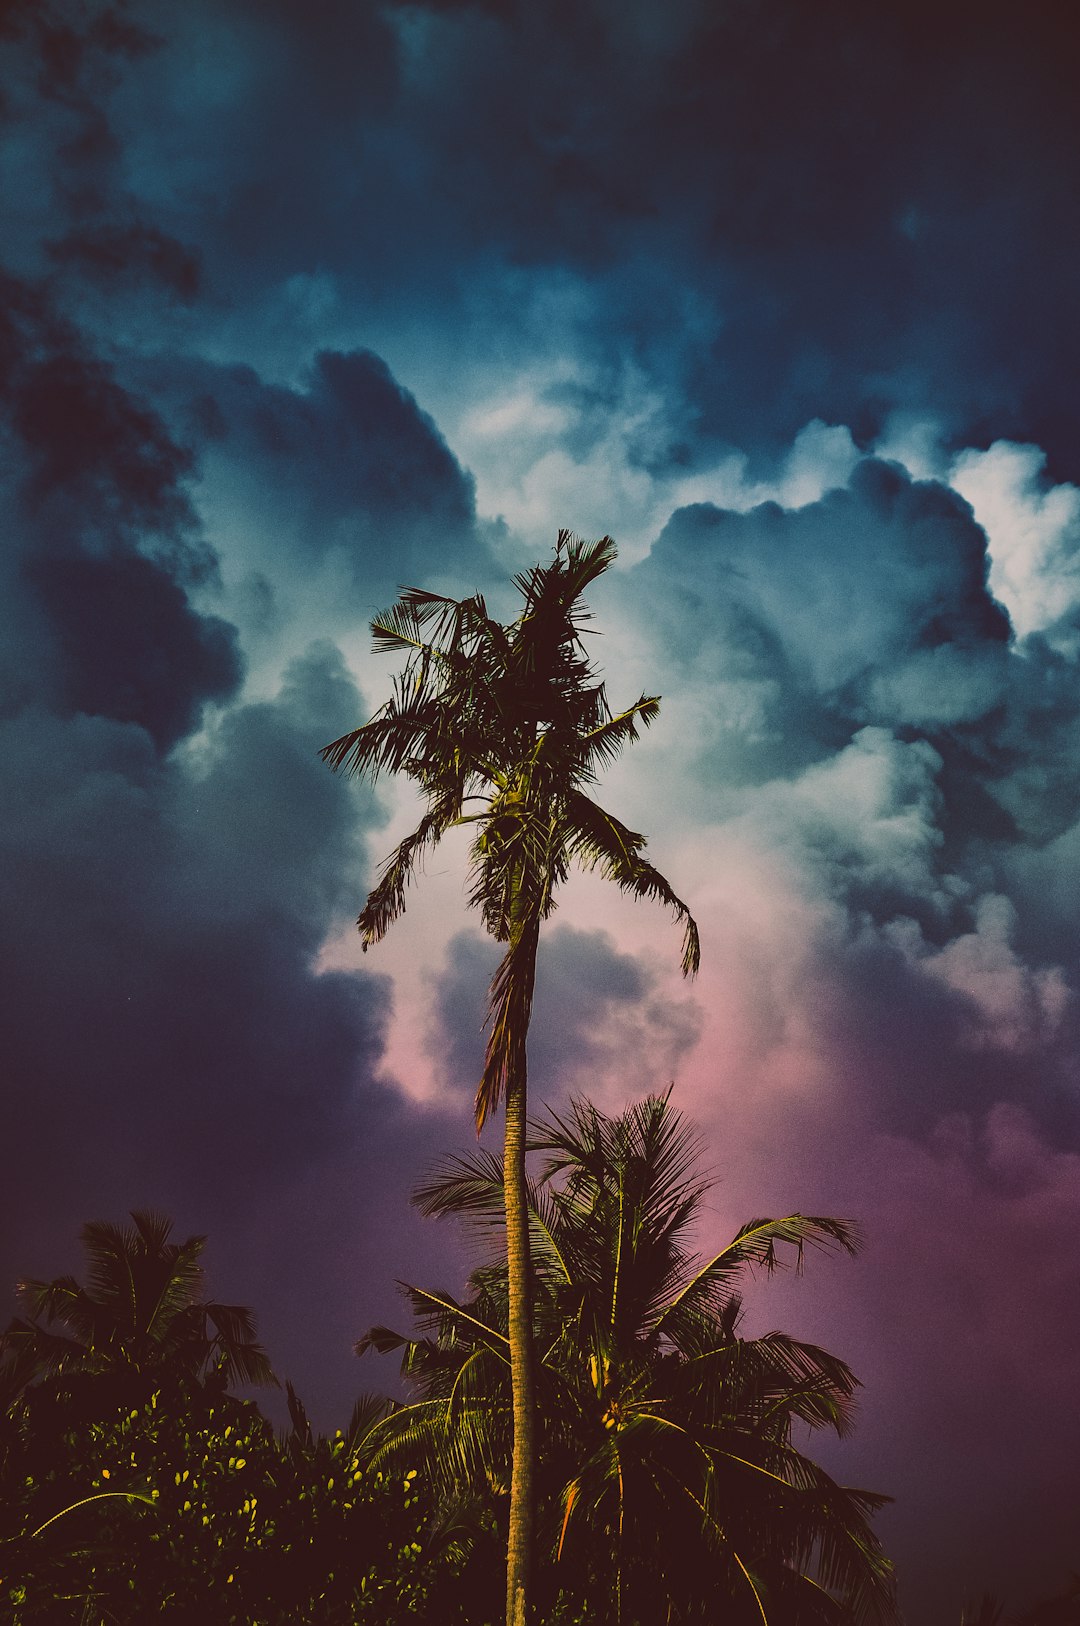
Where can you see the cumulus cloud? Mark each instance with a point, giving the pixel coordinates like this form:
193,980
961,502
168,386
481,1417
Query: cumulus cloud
869,747
792,628
1034,535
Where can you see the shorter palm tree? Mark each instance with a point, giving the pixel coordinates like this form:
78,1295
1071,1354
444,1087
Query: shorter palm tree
671,1484
140,1317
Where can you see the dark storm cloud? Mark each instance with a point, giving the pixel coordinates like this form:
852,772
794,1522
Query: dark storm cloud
163,902
163,919
870,208
173,1041
870,205
129,645
103,539
346,464
869,222
123,256
61,62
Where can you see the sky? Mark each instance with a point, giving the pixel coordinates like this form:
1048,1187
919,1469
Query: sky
303,303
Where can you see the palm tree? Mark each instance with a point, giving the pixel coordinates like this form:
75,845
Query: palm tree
671,1483
504,728
139,1318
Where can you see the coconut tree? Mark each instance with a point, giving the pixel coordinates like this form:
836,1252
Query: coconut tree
504,728
671,1483
139,1317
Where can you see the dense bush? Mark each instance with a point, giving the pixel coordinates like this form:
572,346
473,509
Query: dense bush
187,1506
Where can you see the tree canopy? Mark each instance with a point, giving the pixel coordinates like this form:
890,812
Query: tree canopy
670,1474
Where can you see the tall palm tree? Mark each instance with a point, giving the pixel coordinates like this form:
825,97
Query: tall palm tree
140,1316
672,1486
505,728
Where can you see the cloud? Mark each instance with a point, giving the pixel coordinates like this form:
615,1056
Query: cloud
200,890
347,462
957,1317
601,1023
1012,1007
129,645
173,1041
123,256
793,628
468,157
1034,534
866,747
104,552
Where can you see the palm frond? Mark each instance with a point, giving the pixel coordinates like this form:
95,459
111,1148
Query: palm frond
470,1187
850,1560
29,1352
444,1308
985,1611
399,628
49,1301
604,742
154,1230
386,900
383,1340
392,740
756,1245
302,1432
242,1359
469,1184
650,1405
598,840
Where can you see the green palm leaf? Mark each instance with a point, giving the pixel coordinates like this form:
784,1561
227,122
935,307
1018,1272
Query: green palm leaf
140,1312
669,1470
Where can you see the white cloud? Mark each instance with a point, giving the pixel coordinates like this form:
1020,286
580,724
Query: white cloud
555,443
1033,529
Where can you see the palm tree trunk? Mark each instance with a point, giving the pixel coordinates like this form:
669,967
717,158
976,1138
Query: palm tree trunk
520,1537
519,1542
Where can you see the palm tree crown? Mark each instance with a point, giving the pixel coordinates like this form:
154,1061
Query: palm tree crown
510,717
140,1315
670,1476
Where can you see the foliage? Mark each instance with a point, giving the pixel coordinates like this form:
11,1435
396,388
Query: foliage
188,1507
134,1485
510,718
670,1479
1062,1609
139,1315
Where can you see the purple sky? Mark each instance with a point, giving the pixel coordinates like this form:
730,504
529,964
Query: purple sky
302,303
